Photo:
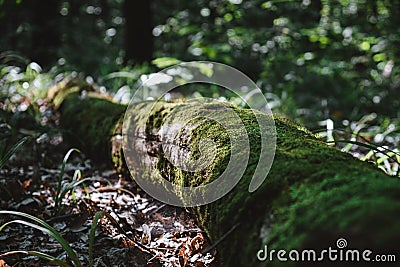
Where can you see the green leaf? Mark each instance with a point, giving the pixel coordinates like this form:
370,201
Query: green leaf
121,74
33,70
365,45
206,69
164,62
266,5
379,57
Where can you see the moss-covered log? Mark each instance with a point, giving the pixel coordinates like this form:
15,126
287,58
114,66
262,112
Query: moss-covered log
313,195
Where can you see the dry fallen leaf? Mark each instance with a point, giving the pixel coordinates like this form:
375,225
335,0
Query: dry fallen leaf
183,260
196,243
3,264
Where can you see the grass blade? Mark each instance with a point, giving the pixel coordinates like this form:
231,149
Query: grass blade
15,148
41,255
45,228
95,222
70,186
58,200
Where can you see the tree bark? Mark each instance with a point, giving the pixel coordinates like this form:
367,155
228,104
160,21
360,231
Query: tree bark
314,194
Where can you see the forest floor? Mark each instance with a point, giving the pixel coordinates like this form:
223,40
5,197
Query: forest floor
153,234
148,232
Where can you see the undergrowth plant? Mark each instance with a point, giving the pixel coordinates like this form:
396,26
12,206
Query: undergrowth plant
38,224
23,87
64,187
384,158
363,144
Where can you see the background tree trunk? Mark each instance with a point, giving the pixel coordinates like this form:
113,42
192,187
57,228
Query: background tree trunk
34,22
313,195
138,31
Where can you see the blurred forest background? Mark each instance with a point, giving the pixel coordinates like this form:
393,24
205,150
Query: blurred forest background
313,59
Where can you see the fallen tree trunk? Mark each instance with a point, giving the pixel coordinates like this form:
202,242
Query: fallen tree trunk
313,195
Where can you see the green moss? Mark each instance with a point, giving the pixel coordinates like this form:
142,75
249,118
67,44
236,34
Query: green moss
313,194
89,123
